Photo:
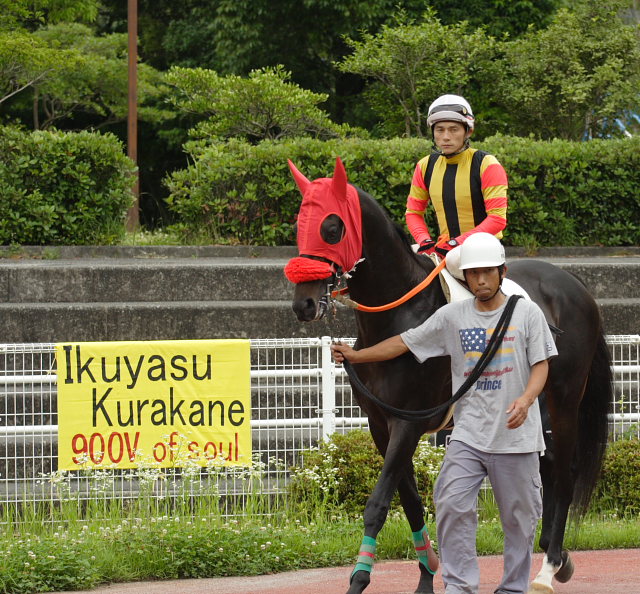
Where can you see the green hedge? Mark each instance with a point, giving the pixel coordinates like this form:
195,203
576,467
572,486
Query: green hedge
561,193
619,486
62,187
343,471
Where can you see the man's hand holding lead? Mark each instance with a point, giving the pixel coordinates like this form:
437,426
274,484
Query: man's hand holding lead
341,351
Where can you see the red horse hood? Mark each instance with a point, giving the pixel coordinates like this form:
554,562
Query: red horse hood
321,198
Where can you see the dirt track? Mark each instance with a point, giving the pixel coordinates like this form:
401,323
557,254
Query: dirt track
597,572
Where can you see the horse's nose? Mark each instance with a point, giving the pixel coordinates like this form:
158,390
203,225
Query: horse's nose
305,309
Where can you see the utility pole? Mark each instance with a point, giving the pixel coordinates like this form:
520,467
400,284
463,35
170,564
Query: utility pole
133,215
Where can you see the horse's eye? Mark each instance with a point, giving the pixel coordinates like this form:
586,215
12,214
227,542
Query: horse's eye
332,229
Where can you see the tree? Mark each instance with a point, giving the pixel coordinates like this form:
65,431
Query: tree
32,14
91,79
498,17
24,62
264,105
409,65
573,79
238,36
305,36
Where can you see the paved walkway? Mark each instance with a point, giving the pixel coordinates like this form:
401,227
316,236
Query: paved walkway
597,572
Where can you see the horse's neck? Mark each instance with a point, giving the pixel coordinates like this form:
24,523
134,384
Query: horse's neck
388,272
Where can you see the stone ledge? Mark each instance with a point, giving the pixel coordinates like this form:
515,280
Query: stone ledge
207,319
224,279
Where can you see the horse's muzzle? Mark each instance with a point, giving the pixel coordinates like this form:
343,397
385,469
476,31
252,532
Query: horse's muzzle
309,310
311,300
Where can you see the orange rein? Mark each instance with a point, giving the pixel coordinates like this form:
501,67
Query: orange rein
338,295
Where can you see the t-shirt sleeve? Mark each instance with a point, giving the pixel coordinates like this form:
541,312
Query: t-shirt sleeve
540,343
427,340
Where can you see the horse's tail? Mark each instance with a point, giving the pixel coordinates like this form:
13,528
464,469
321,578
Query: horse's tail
593,425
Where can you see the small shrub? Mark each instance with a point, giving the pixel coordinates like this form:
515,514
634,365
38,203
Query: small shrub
344,471
62,188
619,486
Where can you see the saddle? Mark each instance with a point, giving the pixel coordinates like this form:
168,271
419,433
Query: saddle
456,290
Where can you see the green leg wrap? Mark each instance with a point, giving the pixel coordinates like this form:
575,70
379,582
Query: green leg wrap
366,555
422,544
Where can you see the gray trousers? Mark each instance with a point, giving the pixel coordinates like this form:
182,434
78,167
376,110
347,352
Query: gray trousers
515,479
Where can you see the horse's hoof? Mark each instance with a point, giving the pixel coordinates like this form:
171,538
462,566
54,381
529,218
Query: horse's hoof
565,572
540,589
358,582
425,585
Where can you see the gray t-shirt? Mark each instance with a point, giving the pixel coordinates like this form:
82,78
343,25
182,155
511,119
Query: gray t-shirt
462,332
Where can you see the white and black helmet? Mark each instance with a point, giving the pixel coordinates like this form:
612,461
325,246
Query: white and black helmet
451,108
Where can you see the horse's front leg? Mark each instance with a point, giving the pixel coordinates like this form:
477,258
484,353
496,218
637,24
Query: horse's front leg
414,510
397,462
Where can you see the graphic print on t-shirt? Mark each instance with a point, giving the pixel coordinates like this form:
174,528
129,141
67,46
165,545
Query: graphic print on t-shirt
473,342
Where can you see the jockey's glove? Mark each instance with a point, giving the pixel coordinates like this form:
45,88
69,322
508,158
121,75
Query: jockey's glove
428,246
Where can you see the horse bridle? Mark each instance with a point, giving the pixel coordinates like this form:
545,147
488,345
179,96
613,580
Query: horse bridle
326,299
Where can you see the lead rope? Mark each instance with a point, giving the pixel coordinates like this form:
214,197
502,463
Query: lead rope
416,416
339,295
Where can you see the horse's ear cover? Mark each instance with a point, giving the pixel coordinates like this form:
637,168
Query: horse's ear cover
323,197
301,181
339,183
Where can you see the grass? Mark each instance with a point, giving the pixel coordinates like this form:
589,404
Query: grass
59,554
169,236
143,237
77,543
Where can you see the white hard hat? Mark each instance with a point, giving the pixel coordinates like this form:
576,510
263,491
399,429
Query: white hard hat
451,108
481,250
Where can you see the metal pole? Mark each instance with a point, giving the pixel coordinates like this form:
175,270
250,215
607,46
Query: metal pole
133,215
328,390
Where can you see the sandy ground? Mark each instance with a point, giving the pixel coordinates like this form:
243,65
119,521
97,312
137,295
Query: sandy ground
596,572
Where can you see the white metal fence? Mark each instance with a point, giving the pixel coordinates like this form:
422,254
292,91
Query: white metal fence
298,398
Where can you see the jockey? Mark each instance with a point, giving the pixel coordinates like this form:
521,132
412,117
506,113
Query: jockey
467,187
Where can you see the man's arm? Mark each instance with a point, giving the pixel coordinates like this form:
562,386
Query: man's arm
387,349
494,191
519,408
416,206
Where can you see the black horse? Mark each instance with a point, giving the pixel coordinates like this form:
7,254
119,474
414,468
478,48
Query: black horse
577,393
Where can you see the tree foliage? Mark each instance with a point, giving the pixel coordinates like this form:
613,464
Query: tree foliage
24,61
32,14
238,36
275,70
410,65
573,79
93,78
499,17
64,70
264,105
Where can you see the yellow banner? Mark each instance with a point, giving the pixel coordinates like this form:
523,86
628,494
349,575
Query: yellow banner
154,404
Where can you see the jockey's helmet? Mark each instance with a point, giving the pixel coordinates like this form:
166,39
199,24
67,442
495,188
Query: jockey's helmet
451,108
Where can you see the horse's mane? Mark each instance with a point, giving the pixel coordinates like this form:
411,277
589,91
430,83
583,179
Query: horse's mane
399,229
